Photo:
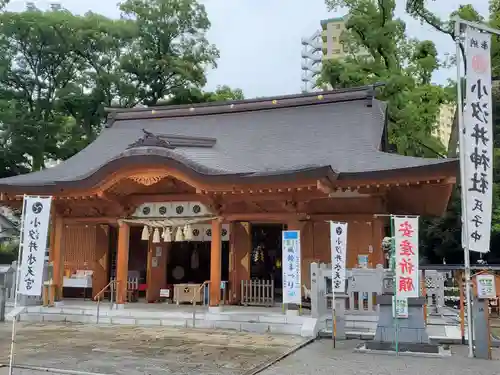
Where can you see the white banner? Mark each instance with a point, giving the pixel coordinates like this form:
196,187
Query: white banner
36,217
478,141
292,288
338,248
406,241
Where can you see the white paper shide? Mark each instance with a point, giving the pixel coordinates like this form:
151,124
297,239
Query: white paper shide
338,247
36,216
406,247
292,291
478,141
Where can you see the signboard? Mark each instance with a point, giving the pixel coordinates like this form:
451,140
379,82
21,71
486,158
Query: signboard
486,287
35,223
400,307
363,261
477,160
406,248
292,290
338,245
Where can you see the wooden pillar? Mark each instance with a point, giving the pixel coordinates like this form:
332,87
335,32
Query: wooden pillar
156,273
215,262
56,255
240,250
378,256
101,270
122,262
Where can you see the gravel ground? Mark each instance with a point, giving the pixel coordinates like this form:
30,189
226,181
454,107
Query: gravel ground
152,351
139,350
320,358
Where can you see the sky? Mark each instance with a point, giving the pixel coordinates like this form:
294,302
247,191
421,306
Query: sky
260,40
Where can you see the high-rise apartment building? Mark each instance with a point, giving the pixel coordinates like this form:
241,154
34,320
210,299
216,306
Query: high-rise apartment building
444,123
331,34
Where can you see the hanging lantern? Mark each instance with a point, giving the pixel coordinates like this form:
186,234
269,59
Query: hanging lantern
179,236
188,232
167,234
145,233
156,236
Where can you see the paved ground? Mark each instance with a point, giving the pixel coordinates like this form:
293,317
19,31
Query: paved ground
131,350
134,350
320,358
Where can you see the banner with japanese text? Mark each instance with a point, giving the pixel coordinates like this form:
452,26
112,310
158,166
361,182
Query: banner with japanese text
406,248
292,288
35,223
478,141
338,248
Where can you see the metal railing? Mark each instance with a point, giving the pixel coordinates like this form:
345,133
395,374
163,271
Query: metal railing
257,292
112,286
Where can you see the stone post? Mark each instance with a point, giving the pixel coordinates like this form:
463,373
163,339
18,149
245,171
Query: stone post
3,301
314,290
340,300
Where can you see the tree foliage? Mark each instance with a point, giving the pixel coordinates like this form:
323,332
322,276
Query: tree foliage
379,51
406,66
58,71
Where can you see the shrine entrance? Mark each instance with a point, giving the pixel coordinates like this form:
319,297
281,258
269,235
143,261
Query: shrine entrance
265,261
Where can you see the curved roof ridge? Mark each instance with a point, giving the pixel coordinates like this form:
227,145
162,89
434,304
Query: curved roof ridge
236,106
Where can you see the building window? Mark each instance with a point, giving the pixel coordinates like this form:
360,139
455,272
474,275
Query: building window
334,38
336,51
337,26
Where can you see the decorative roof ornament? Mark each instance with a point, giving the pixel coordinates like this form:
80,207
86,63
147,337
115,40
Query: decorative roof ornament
151,140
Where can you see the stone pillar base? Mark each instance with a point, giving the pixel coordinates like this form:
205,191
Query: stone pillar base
215,309
411,331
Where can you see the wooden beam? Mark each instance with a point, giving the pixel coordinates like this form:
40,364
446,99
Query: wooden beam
302,195
324,186
156,198
282,217
96,220
289,206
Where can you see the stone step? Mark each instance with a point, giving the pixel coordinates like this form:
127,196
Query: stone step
236,322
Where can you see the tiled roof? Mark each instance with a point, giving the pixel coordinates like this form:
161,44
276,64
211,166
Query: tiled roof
341,130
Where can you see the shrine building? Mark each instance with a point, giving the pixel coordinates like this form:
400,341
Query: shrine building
199,194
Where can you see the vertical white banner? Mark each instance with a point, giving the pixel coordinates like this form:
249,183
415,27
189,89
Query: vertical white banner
478,141
338,248
406,247
292,288
33,244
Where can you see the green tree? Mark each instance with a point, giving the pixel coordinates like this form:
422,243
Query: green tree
419,10
99,43
195,95
170,51
34,66
381,52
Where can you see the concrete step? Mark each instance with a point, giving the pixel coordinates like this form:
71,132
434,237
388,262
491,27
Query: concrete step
301,326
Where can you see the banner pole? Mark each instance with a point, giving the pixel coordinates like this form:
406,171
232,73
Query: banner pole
465,231
16,294
394,301
334,314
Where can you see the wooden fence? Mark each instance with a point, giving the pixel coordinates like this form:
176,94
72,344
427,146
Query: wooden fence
257,292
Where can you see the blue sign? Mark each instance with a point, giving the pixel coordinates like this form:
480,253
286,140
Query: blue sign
291,261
